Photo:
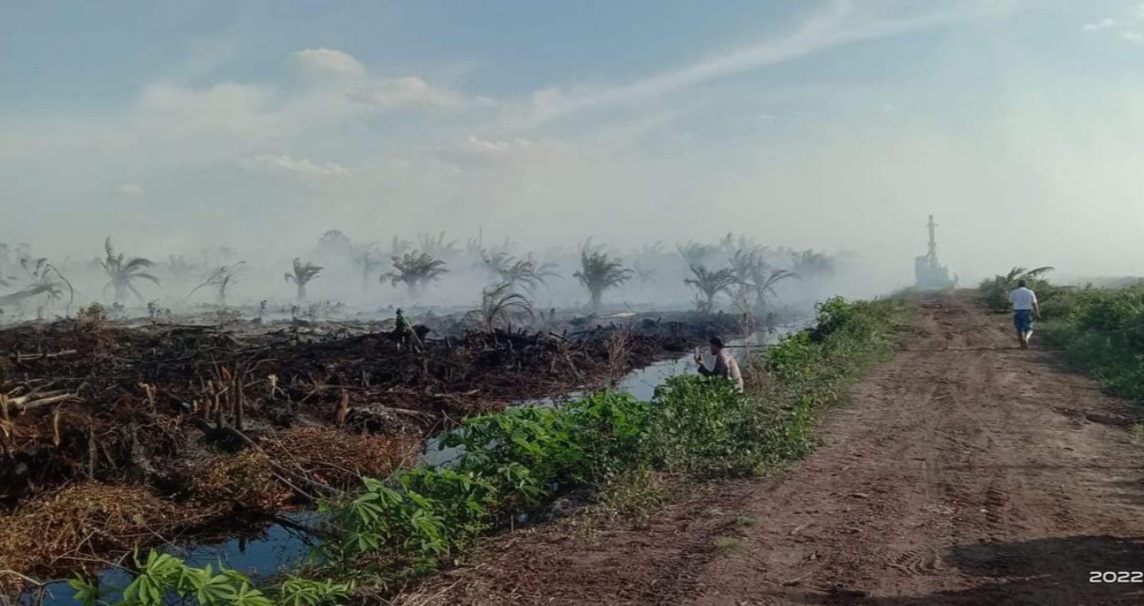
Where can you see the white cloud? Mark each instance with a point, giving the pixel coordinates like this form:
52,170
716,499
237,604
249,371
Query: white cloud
1132,36
478,144
1105,23
411,91
129,189
301,167
833,27
327,61
483,151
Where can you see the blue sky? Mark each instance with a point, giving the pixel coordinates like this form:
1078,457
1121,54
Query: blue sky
826,124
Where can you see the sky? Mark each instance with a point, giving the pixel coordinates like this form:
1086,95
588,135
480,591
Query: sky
834,125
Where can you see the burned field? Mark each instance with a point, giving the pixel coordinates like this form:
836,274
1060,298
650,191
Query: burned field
114,435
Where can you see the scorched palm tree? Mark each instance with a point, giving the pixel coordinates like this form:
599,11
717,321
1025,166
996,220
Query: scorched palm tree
499,306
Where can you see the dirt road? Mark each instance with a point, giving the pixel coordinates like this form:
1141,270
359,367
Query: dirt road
965,472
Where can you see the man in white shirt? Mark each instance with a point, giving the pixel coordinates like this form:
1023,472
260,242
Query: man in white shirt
1024,309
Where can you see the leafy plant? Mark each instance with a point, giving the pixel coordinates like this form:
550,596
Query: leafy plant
44,275
695,253
996,290
710,284
416,270
527,273
298,591
811,263
599,272
438,246
303,274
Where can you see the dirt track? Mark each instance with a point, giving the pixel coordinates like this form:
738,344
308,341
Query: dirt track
965,472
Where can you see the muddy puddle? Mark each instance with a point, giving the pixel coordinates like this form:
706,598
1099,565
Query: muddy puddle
283,542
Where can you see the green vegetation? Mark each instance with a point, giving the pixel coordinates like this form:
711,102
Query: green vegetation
515,462
728,544
1100,332
997,289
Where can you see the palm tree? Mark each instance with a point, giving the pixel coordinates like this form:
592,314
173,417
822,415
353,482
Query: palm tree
526,272
439,247
599,272
179,267
1020,273
335,242
369,259
645,275
730,244
124,272
303,274
500,305
811,263
220,280
764,284
416,270
746,264
42,272
710,284
398,247
27,293
694,253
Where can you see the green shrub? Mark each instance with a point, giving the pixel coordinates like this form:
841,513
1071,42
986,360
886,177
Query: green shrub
1101,332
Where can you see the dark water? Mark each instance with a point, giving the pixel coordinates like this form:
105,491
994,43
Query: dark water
282,545
263,553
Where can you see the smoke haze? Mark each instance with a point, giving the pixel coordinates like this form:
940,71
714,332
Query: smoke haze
837,126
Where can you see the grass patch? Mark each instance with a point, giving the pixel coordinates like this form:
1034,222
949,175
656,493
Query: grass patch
1101,333
728,544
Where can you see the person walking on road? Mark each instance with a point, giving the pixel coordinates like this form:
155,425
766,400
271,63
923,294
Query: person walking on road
1025,307
725,365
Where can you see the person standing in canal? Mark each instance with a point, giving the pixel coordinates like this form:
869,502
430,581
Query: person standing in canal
725,364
